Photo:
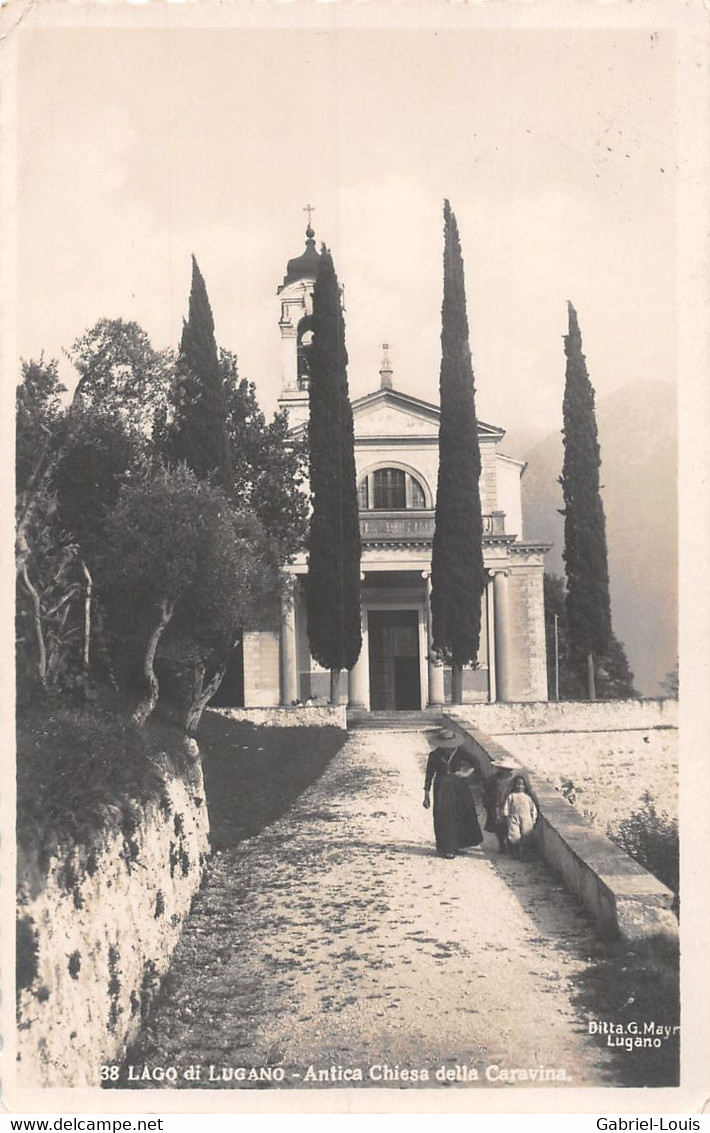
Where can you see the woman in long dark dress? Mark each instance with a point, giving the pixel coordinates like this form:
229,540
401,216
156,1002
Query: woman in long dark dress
455,819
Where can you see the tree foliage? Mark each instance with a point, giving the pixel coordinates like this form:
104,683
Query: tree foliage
268,467
49,611
100,455
650,836
109,540
49,577
120,374
237,572
458,578
614,679
177,554
71,461
333,581
585,552
215,426
670,685
197,433
38,413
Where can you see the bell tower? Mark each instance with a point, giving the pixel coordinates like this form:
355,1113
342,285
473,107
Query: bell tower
296,297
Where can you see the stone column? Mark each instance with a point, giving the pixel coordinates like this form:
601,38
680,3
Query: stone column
491,642
359,675
503,642
435,670
288,651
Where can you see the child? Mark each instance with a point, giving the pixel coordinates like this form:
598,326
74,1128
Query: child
496,791
520,812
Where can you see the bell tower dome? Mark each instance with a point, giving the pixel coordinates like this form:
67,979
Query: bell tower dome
296,296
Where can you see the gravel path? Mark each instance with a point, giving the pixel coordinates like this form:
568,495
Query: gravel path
336,938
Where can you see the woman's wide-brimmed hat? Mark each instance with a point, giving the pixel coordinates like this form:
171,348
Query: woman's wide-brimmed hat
443,737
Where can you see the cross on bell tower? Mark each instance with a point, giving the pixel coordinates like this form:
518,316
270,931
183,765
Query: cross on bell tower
385,368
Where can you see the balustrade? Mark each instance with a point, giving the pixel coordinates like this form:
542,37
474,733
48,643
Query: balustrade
375,525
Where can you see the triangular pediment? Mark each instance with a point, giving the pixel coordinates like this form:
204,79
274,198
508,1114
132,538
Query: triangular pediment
391,413
388,413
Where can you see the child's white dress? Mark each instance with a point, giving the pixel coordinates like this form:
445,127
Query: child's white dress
521,814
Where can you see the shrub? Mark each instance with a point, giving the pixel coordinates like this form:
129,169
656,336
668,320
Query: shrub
76,765
650,837
637,984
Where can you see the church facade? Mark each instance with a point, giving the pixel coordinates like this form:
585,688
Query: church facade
396,452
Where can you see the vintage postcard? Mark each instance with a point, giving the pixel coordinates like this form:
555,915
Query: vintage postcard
361,511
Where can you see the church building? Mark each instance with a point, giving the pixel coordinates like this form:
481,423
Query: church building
396,452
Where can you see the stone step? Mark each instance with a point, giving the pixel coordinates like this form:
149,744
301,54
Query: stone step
396,721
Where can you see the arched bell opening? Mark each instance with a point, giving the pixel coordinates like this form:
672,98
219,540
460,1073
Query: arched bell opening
304,341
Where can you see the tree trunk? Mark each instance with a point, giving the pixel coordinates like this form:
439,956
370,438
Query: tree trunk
37,617
87,615
202,697
27,503
457,684
146,706
335,686
29,497
591,686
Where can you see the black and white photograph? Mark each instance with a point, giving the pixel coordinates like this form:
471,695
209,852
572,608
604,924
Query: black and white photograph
359,363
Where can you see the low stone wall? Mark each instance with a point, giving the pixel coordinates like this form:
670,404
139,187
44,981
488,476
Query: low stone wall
572,716
96,931
621,896
301,716
604,757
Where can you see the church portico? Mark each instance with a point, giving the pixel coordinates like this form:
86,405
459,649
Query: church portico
397,667
392,669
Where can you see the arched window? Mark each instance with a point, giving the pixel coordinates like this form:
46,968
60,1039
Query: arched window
390,489
418,498
304,340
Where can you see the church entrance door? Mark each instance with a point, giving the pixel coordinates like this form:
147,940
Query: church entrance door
394,659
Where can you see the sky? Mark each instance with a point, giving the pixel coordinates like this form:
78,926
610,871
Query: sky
557,148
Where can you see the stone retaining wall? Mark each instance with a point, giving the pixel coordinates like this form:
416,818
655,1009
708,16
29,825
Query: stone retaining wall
621,896
302,716
605,757
96,931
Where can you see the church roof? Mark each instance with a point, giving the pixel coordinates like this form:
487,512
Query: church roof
306,265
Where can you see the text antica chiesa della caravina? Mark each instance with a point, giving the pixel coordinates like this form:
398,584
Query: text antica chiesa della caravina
627,1036
378,1073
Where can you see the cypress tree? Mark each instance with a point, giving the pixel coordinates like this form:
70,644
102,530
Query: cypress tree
333,581
585,553
458,578
198,434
